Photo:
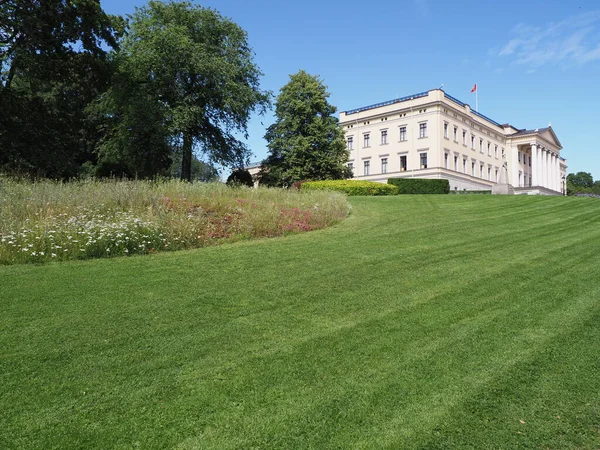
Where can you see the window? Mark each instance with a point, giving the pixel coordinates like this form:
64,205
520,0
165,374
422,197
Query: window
403,163
402,134
350,166
473,169
481,145
464,137
496,175
422,130
464,165
366,143
367,166
423,160
489,149
455,134
519,160
383,137
455,163
495,151
350,143
383,165
446,130
530,161
445,160
490,173
481,171
473,142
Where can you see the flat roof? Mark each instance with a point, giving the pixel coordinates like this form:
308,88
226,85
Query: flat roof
419,95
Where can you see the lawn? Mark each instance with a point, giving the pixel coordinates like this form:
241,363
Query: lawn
456,321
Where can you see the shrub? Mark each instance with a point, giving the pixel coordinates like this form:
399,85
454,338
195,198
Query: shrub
240,177
420,186
352,187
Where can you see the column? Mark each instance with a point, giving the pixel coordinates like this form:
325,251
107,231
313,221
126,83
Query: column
534,162
548,171
514,167
543,167
552,173
557,172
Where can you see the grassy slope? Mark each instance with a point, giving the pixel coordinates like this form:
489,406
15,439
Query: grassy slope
419,322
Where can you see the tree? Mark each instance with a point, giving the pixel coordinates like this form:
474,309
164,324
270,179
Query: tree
305,142
53,62
240,177
194,70
580,182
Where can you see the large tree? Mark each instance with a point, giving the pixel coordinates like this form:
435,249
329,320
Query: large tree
192,73
53,62
305,142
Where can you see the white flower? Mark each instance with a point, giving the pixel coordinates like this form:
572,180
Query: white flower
53,255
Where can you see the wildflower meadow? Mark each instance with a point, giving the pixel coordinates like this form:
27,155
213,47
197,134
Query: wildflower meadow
46,220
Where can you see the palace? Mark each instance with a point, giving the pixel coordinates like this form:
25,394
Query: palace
434,135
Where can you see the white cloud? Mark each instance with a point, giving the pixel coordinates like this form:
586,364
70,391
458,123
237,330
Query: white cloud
573,41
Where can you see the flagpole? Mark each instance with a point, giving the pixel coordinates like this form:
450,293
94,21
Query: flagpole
476,98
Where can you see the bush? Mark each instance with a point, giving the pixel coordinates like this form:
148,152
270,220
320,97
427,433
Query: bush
352,187
240,177
420,186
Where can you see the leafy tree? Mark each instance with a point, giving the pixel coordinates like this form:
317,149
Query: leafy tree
240,177
192,70
305,142
53,62
581,179
580,182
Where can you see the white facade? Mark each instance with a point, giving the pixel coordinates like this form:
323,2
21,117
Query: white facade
434,135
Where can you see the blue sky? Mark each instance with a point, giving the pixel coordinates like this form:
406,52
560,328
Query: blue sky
535,62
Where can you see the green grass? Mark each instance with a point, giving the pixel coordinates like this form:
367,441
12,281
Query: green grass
418,322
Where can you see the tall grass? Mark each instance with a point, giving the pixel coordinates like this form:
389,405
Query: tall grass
48,220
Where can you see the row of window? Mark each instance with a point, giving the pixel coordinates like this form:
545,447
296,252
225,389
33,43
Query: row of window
384,136
423,134
384,164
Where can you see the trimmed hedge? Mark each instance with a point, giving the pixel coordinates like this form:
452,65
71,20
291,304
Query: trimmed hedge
420,186
352,187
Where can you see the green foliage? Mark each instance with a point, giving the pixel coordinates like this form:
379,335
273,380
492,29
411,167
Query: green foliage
582,183
185,80
420,186
305,142
53,63
240,177
351,187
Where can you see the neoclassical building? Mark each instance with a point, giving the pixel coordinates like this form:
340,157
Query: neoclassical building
434,135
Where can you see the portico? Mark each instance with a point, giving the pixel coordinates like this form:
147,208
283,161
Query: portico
536,161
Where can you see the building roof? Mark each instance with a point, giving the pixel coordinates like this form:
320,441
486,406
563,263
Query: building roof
526,132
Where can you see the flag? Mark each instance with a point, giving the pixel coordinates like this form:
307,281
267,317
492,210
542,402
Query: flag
474,88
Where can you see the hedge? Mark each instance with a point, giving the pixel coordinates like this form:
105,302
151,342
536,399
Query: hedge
352,187
420,186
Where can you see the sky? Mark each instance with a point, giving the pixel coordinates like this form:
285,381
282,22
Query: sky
535,62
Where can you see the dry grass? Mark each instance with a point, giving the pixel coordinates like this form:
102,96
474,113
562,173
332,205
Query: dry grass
56,221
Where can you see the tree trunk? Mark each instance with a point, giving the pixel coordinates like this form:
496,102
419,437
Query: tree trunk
186,157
